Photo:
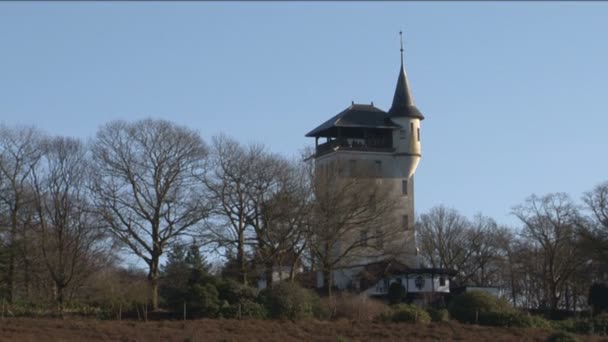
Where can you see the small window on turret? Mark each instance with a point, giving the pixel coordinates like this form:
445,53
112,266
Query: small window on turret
404,187
418,133
405,222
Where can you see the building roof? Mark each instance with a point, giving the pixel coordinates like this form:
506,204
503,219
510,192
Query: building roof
403,101
356,115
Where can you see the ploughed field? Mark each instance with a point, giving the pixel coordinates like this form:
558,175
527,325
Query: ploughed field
36,329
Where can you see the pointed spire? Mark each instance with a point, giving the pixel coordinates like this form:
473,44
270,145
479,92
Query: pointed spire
401,38
403,101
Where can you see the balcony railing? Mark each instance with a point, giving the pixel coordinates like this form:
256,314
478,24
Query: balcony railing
369,145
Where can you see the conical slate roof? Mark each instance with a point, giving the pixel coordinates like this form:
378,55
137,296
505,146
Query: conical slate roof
403,101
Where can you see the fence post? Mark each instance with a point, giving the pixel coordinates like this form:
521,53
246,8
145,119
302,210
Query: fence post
184,310
476,316
120,312
145,312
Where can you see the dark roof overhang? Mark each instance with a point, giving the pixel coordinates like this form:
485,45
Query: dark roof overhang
355,116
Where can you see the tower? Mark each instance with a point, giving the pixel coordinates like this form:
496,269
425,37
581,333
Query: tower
389,145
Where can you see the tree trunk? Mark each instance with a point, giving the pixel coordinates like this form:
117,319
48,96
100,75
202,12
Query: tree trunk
154,288
59,295
327,281
26,267
10,278
554,298
153,280
567,297
292,270
268,271
240,259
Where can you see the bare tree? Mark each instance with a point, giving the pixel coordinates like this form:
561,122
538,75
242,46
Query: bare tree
442,235
593,229
234,177
68,236
487,251
353,219
281,213
475,249
19,153
146,186
549,226
596,202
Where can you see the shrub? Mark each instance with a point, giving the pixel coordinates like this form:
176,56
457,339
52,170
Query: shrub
358,307
396,293
510,318
234,292
562,336
408,313
203,300
439,315
539,322
577,326
600,324
290,301
320,309
469,307
249,309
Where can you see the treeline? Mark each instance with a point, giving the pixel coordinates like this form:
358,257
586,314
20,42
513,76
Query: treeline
549,263
68,207
154,189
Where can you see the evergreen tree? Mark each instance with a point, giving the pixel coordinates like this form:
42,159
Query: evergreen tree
186,280
195,260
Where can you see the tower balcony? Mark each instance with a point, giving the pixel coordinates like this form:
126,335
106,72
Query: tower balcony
348,144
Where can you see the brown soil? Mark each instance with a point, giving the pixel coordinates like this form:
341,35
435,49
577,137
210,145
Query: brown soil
29,329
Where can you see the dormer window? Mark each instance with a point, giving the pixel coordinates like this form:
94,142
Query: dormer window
418,133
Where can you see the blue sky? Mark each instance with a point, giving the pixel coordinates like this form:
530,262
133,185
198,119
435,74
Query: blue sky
514,93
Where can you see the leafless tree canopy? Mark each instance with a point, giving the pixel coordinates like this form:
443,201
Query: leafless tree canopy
596,202
549,227
352,219
143,185
261,201
20,152
146,186
71,242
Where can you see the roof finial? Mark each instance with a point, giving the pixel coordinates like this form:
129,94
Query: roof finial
401,38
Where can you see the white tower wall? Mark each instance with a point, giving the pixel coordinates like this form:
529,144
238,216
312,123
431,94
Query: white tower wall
407,144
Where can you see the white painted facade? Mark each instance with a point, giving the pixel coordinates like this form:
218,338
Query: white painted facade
393,162
413,283
278,273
